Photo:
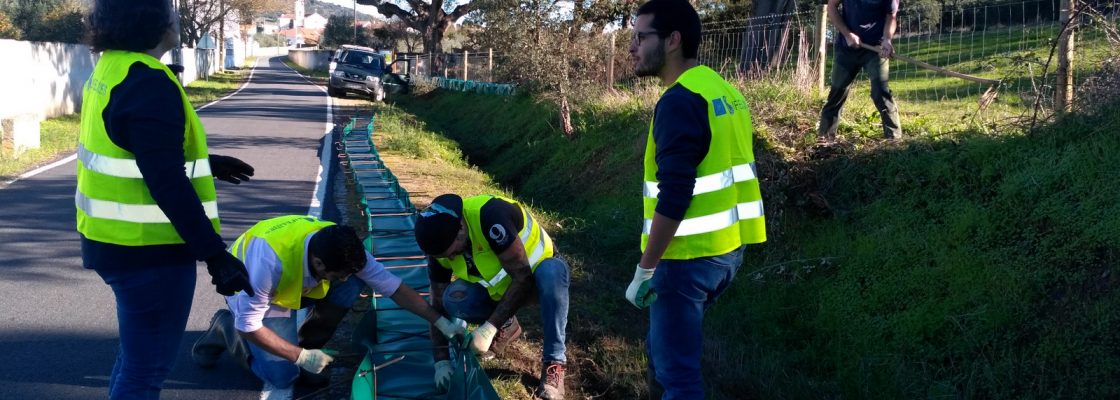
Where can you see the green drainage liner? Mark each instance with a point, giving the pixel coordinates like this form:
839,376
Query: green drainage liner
387,331
503,89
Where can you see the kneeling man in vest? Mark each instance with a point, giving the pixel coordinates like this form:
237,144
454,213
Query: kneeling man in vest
503,260
295,262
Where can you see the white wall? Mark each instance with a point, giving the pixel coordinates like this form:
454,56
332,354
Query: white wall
311,59
47,78
43,78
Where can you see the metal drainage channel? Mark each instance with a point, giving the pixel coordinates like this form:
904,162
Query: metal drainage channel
398,362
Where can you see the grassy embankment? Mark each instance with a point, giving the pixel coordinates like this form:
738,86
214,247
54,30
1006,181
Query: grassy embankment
955,264
59,135
968,261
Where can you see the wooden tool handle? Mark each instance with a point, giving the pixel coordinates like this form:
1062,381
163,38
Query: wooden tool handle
934,68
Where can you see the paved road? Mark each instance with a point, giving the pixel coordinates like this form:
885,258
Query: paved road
58,335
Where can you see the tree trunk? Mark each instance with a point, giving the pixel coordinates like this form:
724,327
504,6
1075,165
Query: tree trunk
765,38
566,115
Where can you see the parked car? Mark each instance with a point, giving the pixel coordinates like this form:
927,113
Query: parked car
362,70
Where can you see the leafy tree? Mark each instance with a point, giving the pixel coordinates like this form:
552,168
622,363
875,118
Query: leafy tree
9,30
431,18
339,31
46,20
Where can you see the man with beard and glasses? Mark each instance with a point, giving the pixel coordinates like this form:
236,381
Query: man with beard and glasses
702,203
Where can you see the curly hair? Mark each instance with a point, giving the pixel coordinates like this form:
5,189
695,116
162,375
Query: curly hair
339,248
132,25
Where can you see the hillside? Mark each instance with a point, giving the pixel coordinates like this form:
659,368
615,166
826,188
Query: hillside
964,266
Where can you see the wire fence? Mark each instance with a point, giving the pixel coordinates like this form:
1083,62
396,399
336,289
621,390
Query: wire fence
1016,43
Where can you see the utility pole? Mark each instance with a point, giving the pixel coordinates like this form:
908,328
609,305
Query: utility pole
355,41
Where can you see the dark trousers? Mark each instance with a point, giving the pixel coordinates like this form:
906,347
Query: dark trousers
152,308
845,66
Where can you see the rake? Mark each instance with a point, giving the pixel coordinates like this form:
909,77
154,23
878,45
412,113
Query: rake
986,99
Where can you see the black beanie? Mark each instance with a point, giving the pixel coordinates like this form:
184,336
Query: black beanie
437,226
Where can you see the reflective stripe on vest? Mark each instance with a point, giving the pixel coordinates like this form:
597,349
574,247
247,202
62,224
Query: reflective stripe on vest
136,213
113,202
535,256
127,168
710,183
287,237
726,209
538,247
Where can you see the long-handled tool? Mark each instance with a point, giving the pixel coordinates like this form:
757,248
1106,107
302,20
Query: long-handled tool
361,373
985,99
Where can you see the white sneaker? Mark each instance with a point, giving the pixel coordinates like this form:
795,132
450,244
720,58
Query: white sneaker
268,392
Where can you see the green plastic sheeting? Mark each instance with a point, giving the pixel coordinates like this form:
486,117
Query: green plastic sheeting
388,332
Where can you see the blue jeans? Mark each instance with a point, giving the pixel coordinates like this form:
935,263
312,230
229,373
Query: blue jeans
685,289
472,303
152,308
278,371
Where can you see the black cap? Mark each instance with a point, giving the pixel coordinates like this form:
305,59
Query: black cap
437,225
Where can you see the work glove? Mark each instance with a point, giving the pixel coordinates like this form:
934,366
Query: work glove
314,360
230,169
228,274
450,328
482,337
443,375
638,292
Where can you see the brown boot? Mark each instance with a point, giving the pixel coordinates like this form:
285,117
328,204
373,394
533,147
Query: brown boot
507,333
552,381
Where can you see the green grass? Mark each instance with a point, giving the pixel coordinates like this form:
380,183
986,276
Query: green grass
203,91
314,73
59,135
957,264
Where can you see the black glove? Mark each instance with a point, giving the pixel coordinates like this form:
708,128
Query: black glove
230,169
228,274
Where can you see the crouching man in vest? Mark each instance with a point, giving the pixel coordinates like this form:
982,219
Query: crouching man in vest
295,262
503,260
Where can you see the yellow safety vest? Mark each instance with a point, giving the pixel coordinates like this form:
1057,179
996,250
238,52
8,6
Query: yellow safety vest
538,247
726,209
286,236
113,202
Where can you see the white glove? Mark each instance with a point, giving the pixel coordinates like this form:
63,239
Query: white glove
443,375
638,292
313,360
450,328
482,337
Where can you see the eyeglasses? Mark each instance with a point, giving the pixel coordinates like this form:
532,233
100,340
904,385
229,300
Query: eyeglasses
639,36
436,208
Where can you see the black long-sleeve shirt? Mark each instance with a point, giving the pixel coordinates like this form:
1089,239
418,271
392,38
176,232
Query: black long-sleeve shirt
682,136
145,116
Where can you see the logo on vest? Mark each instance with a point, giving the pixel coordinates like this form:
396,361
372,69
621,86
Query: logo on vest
498,233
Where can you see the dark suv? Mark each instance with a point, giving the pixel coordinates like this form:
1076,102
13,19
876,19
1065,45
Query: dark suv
362,70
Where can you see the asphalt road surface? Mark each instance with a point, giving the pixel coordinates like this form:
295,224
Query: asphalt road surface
58,335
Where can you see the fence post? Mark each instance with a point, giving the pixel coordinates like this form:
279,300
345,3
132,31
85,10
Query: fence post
466,62
610,64
445,61
1064,92
822,47
490,67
